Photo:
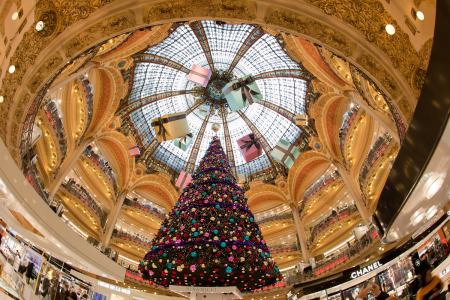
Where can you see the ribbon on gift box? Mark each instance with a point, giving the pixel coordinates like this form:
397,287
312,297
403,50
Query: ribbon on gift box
184,178
246,92
199,74
184,139
161,121
286,152
253,142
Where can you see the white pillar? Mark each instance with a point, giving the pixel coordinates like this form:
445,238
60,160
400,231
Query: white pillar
112,218
300,232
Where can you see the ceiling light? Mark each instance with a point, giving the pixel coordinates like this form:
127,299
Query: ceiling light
418,216
16,15
431,212
2,99
420,15
432,185
390,29
40,25
11,69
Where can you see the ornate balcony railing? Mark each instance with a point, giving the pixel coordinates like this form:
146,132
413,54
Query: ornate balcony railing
339,258
284,248
376,151
88,92
137,277
33,177
331,219
347,121
101,163
81,193
317,186
282,216
52,113
132,238
145,207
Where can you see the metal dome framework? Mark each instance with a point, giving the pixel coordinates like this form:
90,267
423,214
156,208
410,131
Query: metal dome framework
160,87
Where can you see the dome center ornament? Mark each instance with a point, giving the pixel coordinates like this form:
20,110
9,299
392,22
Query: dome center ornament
212,94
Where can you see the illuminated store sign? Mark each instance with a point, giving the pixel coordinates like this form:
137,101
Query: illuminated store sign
114,287
365,270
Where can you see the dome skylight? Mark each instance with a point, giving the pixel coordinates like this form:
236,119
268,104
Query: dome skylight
236,50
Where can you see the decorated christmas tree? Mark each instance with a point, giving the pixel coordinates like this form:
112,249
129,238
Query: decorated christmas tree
211,238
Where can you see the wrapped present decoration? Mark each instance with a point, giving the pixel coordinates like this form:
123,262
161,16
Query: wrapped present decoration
169,127
241,179
199,75
215,127
285,153
183,142
241,93
249,147
183,180
301,120
204,109
134,151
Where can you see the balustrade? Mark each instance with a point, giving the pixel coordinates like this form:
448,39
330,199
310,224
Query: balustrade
82,194
101,163
145,207
146,243
347,121
317,186
331,219
275,217
52,112
33,177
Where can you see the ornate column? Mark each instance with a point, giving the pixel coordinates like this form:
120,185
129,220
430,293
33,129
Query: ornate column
67,165
112,218
300,232
353,189
381,118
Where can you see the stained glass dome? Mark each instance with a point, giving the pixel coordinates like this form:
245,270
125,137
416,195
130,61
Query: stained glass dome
230,51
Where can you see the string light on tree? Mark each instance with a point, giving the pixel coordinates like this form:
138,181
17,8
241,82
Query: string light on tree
211,238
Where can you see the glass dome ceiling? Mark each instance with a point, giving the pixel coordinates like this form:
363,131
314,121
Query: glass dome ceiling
160,87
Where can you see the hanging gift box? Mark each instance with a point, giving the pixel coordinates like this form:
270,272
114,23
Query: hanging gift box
301,120
241,179
169,127
249,147
285,153
183,180
183,142
241,93
134,151
215,127
203,110
199,75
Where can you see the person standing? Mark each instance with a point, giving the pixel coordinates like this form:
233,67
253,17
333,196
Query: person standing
430,287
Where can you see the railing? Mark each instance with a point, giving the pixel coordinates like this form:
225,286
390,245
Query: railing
339,258
331,219
282,216
136,276
88,92
376,151
51,111
317,186
132,238
101,163
145,207
33,177
84,196
347,121
284,248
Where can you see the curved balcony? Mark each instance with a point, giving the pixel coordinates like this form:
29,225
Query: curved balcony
52,112
317,186
347,121
334,217
146,244
339,259
81,193
378,148
137,277
284,248
33,177
278,217
88,94
102,164
153,211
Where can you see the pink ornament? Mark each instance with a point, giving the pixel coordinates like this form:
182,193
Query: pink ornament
206,234
178,241
202,220
230,258
263,242
167,242
224,189
151,272
234,247
182,227
240,228
196,193
193,268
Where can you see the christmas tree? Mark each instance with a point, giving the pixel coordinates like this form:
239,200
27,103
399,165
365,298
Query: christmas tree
211,238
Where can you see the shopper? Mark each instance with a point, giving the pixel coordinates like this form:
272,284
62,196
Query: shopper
45,288
430,287
29,271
